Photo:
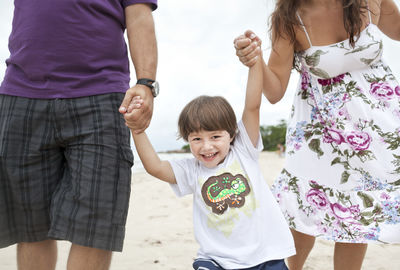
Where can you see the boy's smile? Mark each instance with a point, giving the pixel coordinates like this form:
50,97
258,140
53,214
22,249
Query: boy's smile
210,147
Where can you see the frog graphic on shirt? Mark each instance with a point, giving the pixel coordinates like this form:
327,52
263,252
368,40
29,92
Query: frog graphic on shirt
225,190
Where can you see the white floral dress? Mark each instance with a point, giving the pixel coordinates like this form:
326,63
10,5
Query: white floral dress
342,173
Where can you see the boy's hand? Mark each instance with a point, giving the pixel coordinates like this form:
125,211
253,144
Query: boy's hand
134,107
248,48
136,103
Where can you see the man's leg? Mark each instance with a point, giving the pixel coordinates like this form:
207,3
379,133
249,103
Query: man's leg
349,256
304,243
85,258
31,165
37,255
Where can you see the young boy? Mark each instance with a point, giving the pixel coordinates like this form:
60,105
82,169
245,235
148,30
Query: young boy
237,222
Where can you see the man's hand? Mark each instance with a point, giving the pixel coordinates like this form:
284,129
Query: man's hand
143,49
137,108
248,48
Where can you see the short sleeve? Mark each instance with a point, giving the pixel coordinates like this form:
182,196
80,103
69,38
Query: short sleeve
153,3
185,175
244,144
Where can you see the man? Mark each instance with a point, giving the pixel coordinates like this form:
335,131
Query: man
65,154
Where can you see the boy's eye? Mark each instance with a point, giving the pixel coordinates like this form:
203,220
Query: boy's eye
216,137
196,139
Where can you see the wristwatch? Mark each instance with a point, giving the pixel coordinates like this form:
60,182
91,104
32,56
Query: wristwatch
152,84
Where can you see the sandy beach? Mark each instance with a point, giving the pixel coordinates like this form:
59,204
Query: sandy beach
160,236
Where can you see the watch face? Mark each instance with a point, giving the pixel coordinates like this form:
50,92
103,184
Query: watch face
156,88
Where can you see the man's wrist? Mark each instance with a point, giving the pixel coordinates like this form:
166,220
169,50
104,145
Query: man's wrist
151,84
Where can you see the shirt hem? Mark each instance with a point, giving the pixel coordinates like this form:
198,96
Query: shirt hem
58,94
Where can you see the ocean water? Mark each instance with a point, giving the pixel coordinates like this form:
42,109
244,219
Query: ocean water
138,166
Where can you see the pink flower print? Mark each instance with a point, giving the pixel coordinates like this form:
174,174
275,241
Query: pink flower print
358,140
397,90
396,113
297,146
325,82
343,112
338,78
332,135
322,228
341,212
317,198
346,97
304,80
313,182
385,196
381,91
355,210
382,140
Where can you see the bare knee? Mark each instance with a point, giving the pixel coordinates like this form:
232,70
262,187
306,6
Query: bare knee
349,256
86,258
46,244
37,255
303,241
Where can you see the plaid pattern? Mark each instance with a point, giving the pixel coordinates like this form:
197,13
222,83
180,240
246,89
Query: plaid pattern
65,170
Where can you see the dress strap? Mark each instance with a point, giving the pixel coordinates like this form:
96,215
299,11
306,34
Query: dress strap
369,12
304,28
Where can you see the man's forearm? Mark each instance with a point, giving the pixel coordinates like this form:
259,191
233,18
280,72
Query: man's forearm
142,40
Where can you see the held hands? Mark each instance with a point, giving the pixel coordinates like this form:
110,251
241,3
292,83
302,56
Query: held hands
248,48
137,108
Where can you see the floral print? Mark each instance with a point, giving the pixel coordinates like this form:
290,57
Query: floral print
342,174
381,91
397,90
338,215
358,140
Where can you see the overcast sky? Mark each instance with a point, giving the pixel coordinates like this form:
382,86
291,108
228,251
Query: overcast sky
196,57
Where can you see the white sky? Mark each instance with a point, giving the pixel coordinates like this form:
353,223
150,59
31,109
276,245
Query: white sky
196,57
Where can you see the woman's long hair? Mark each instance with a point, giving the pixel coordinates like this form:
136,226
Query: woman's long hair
284,19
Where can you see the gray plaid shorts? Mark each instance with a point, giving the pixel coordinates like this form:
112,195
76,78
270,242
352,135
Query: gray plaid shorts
65,170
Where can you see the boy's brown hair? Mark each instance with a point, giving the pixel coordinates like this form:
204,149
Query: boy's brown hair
209,114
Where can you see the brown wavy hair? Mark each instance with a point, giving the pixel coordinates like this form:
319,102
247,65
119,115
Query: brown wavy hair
284,19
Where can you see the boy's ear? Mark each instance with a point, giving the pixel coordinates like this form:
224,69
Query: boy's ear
232,138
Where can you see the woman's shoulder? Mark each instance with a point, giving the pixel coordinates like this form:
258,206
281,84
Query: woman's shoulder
374,7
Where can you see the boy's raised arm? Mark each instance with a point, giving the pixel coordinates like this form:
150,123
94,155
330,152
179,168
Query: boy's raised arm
158,168
251,112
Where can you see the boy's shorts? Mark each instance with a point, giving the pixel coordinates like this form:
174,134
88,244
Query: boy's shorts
204,264
65,170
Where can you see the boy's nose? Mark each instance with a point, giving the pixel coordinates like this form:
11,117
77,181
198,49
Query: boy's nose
207,145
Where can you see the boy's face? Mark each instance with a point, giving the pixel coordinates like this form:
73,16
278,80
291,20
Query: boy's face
210,147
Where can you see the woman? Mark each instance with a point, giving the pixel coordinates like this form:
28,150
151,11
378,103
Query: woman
341,177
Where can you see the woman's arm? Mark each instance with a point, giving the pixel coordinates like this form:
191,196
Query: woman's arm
277,73
389,19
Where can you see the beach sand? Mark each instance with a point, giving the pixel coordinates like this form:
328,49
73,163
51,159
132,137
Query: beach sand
160,236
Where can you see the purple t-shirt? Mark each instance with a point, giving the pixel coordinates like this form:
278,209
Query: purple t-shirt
67,48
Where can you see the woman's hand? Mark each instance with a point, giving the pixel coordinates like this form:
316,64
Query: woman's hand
248,48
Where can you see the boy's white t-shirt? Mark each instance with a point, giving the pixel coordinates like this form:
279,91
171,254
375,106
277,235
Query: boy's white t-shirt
237,221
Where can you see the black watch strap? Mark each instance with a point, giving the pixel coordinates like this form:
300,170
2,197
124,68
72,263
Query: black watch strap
152,84
147,82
